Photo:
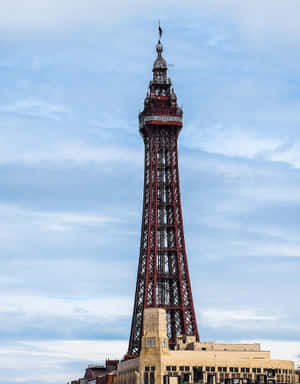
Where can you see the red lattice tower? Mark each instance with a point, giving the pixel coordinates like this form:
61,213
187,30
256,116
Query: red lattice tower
163,277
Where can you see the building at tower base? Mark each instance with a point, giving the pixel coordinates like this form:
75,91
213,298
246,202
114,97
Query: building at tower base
99,374
199,362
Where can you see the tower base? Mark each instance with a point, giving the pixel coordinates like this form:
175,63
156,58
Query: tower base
199,362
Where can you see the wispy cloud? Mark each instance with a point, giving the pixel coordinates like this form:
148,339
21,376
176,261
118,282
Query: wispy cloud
66,153
24,228
257,18
45,14
61,275
34,108
87,309
273,249
52,220
290,155
254,18
112,122
232,142
216,40
58,360
281,349
31,316
242,318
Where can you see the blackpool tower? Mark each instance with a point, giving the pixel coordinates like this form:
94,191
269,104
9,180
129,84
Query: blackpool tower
163,278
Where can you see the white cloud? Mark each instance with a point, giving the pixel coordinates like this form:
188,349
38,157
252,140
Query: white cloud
26,231
27,275
54,361
44,221
229,168
274,249
216,40
273,16
113,122
36,108
49,142
290,155
283,349
85,309
66,152
255,18
233,318
92,350
22,228
56,15
231,142
81,153
269,191
76,219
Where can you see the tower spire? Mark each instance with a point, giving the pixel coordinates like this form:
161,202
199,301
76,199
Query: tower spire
163,277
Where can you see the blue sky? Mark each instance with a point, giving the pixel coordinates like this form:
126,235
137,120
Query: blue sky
74,75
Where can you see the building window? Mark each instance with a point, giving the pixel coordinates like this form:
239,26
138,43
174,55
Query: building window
168,368
181,368
231,369
243,369
254,370
212,369
198,368
198,374
150,342
258,370
152,369
147,369
203,349
173,368
224,369
186,368
236,369
248,370
219,369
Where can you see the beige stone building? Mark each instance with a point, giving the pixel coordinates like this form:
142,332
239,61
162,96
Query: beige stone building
199,362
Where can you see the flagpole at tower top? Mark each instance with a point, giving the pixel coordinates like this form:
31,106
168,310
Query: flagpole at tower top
159,31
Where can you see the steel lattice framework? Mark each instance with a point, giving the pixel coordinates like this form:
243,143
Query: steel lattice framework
163,278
